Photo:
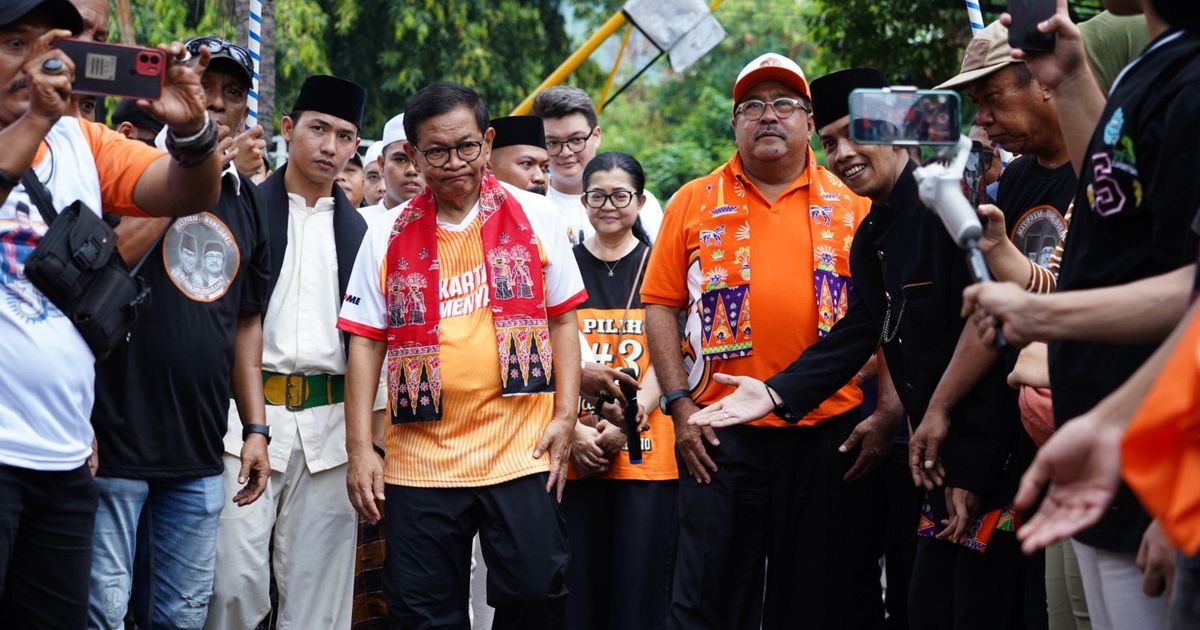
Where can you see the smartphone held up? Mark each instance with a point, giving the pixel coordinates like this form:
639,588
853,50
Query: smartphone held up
1026,15
115,70
904,116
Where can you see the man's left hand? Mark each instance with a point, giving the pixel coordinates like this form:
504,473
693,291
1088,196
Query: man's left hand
1156,559
256,469
556,441
962,506
749,402
874,437
182,105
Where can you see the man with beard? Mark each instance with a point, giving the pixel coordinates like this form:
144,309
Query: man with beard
519,153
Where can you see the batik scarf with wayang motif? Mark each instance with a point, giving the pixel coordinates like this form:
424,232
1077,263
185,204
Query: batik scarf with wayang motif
517,297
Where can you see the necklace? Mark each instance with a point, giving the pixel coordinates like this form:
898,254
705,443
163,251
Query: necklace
612,267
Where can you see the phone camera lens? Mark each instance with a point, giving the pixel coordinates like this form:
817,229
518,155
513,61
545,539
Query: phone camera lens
144,58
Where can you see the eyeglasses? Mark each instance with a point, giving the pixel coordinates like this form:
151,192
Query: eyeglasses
467,152
554,147
597,198
216,46
754,110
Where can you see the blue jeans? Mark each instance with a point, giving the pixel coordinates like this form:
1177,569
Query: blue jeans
179,520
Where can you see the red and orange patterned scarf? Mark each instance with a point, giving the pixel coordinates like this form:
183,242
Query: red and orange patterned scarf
726,331
515,290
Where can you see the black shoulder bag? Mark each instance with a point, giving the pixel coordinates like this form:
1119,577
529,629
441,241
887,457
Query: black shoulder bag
76,265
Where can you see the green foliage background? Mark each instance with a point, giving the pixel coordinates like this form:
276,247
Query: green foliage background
677,125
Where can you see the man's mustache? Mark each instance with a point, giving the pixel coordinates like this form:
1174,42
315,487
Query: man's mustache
18,85
770,131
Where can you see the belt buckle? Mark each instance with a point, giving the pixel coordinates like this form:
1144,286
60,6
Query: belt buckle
295,391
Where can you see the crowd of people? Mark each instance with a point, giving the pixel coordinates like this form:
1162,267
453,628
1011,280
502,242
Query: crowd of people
474,375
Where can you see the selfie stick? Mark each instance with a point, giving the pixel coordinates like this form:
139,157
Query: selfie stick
940,188
255,45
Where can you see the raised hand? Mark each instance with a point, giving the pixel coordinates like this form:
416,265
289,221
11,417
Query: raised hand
182,105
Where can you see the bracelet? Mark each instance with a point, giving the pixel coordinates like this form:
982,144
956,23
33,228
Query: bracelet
777,407
189,152
8,181
194,138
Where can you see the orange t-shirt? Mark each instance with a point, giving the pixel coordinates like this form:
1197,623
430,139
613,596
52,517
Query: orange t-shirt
1160,453
783,242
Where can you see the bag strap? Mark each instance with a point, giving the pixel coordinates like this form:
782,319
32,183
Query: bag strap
40,196
632,291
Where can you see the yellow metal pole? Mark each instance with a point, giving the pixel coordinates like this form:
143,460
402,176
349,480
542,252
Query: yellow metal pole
574,61
612,75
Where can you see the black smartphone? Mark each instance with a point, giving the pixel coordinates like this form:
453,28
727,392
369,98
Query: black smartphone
904,116
1022,32
115,70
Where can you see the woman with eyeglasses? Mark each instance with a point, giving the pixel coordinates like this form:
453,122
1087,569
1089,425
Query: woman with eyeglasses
620,515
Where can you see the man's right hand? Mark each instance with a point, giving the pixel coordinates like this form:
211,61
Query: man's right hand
923,448
688,441
597,378
364,483
996,233
49,91
250,151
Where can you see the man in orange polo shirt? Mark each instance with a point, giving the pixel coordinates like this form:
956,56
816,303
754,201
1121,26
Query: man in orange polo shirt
770,490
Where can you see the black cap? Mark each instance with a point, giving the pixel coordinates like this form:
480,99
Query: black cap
512,130
333,96
225,54
64,14
831,93
128,111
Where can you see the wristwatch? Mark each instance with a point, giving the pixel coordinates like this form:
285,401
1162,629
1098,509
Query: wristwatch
261,429
664,401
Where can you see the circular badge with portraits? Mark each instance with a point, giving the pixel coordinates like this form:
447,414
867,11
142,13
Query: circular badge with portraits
201,257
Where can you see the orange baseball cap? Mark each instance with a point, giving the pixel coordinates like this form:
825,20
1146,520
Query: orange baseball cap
770,66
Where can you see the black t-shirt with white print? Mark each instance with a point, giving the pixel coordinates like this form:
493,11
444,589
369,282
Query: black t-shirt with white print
1034,200
162,400
1138,193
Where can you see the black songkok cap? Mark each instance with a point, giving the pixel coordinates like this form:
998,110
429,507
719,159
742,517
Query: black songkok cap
333,96
831,93
512,130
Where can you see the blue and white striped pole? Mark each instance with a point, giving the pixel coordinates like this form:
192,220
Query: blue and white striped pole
255,46
974,13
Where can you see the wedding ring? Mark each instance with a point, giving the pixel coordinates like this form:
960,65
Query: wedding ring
53,66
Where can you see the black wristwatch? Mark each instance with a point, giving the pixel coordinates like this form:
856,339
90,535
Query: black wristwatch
664,401
261,429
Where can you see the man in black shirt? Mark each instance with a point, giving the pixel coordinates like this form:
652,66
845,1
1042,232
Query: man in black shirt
1138,193
908,277
162,400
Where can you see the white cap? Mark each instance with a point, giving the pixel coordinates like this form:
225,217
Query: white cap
770,66
393,131
373,152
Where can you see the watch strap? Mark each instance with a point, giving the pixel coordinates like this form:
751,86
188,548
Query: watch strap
261,429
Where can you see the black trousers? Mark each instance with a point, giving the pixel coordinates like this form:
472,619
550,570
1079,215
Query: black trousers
622,537
427,569
46,521
776,517
955,588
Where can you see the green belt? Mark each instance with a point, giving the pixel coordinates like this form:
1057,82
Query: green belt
298,391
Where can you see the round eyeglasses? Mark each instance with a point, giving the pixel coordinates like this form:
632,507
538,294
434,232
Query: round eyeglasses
754,109
438,156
